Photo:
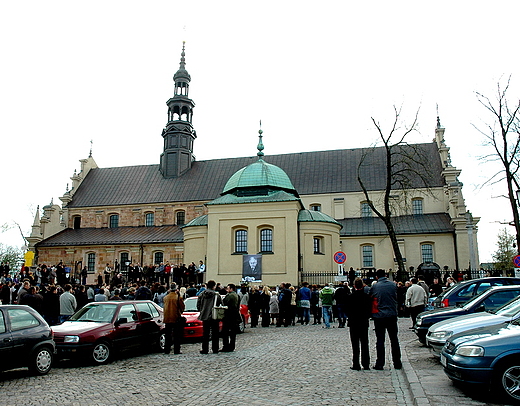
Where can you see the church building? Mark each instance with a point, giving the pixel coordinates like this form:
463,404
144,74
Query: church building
268,218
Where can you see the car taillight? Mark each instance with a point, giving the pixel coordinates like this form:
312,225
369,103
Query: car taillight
445,303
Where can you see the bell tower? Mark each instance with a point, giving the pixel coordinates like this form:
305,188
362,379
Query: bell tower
178,134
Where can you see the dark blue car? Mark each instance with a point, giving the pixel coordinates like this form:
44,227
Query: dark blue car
486,356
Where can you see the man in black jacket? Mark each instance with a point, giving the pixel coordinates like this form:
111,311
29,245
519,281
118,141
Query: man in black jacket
358,310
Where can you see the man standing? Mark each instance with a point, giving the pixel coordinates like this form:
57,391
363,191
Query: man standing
416,299
327,299
231,319
205,303
341,296
173,308
358,309
67,304
284,304
384,313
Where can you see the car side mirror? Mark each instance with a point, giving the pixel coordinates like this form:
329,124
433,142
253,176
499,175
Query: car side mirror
481,308
120,321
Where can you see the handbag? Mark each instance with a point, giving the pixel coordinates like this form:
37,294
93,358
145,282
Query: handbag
218,311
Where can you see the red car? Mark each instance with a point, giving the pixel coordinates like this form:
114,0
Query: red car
193,328
101,328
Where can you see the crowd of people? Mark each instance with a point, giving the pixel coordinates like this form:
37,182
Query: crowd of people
349,304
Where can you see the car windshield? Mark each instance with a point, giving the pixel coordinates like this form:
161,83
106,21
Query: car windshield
100,313
191,305
510,309
445,292
474,299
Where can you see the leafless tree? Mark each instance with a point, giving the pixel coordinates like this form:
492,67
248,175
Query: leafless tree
406,168
503,138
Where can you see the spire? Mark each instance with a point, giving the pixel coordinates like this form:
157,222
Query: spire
90,154
260,145
36,222
179,135
183,60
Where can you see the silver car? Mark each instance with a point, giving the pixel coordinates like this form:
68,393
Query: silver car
440,332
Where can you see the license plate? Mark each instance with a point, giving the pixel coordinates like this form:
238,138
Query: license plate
443,360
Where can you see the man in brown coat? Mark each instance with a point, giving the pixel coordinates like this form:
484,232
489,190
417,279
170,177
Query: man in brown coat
173,308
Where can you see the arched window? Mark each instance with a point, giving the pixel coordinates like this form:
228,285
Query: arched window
158,257
124,263
149,219
113,221
241,241
366,210
91,262
417,206
180,217
266,240
317,245
367,252
427,252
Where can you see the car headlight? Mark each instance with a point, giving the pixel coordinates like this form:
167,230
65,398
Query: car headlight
470,351
418,321
441,334
71,339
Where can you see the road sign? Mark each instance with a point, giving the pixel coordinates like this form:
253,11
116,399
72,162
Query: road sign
340,257
516,261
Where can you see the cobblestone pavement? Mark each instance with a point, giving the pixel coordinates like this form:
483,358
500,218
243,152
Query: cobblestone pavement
277,366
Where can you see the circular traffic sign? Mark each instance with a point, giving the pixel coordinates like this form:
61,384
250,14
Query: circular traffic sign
340,257
516,261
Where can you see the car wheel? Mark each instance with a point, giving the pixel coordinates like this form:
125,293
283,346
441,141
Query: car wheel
242,325
509,380
41,361
101,352
161,342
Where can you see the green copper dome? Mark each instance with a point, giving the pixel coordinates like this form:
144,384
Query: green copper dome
259,174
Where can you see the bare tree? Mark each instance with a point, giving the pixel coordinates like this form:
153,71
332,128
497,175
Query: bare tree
503,138
405,168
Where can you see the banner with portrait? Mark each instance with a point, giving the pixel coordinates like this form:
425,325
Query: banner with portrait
252,268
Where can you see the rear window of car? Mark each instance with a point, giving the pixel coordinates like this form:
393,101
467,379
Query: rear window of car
2,322
21,319
146,311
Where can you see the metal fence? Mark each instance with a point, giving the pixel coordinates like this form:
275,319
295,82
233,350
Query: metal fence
368,275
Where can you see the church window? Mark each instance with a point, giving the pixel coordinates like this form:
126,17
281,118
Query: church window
114,221
417,206
266,240
180,217
316,207
318,245
427,252
149,219
368,256
366,210
76,222
241,241
124,263
158,257
91,262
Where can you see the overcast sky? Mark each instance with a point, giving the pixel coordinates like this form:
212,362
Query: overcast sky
313,72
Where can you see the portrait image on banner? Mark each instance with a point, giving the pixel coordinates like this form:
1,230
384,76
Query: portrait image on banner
252,268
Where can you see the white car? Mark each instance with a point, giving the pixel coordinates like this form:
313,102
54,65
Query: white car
440,332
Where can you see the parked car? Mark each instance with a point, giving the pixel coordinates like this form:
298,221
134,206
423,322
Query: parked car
486,356
25,340
101,328
440,332
461,292
193,327
490,299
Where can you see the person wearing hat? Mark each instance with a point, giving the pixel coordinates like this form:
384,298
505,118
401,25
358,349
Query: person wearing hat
173,308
